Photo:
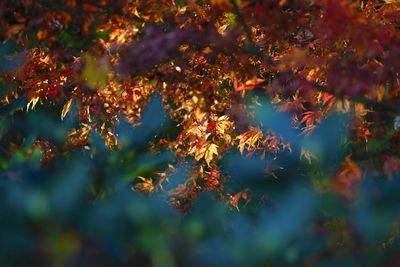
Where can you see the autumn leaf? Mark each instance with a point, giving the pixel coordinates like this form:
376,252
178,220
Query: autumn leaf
249,138
198,150
234,200
347,178
309,118
66,108
204,150
32,103
210,152
196,130
223,124
146,186
211,179
78,137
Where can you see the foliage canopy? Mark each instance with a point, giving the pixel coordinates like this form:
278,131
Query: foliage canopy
308,90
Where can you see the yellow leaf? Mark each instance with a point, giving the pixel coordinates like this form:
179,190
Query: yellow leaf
249,138
227,138
200,152
210,152
32,103
252,140
146,186
206,151
66,109
135,12
223,124
196,130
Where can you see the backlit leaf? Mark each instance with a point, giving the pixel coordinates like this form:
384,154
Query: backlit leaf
66,108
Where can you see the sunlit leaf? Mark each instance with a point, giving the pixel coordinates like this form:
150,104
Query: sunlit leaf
66,108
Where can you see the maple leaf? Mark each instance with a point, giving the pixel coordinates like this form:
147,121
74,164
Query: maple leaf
210,152
204,150
196,130
234,200
223,124
78,137
309,117
348,177
198,150
146,186
211,179
249,138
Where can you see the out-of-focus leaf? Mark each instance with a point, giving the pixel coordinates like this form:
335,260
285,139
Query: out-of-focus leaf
66,108
95,72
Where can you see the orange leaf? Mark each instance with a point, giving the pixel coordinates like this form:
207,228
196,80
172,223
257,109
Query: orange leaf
347,179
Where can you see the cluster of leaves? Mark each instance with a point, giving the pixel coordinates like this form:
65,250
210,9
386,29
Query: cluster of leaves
204,59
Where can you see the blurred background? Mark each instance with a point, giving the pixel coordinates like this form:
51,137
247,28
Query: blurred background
79,208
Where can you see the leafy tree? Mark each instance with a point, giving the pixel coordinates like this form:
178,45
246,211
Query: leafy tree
102,101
